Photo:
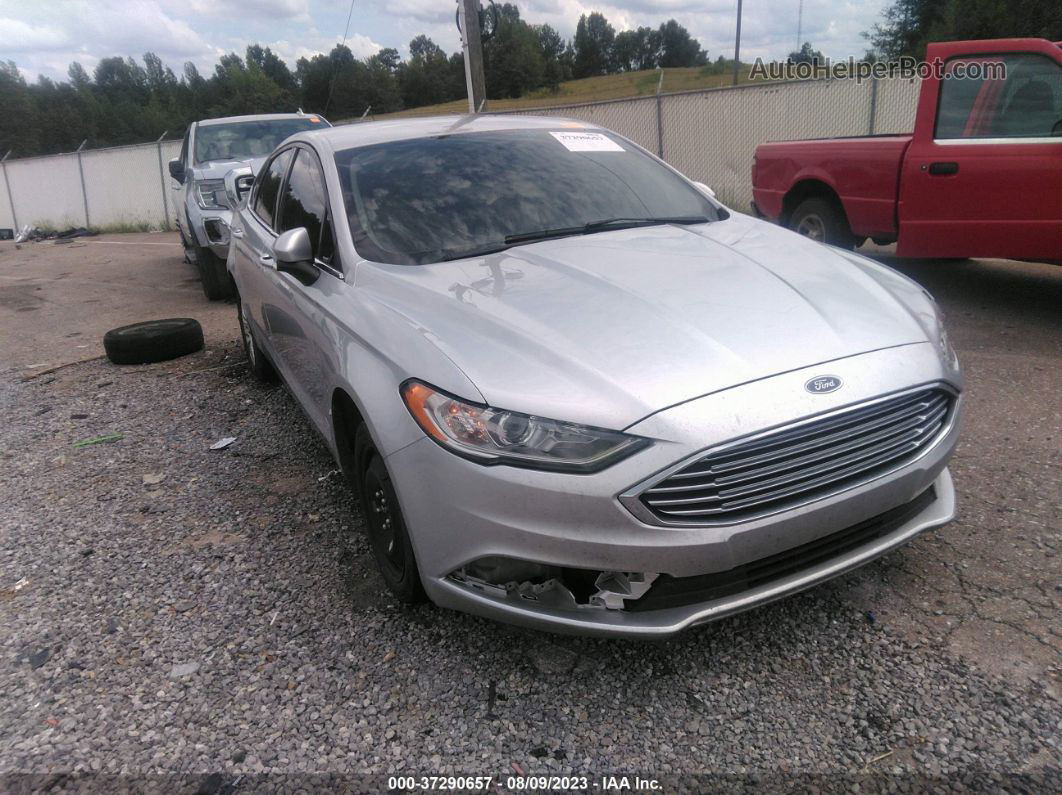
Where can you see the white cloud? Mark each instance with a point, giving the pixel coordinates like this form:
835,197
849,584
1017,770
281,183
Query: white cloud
22,37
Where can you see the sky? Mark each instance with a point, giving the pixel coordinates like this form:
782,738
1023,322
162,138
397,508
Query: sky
45,36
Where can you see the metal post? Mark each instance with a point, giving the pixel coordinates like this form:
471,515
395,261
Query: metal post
7,184
81,171
873,104
659,128
162,183
737,45
472,43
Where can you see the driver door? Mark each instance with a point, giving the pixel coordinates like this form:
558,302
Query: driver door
983,174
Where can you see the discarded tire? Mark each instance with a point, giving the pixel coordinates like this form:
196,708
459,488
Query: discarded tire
153,340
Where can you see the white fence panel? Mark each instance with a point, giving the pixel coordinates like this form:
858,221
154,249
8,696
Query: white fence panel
127,185
896,105
7,218
712,136
47,191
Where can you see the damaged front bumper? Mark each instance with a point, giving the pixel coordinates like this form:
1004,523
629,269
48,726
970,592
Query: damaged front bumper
564,553
649,605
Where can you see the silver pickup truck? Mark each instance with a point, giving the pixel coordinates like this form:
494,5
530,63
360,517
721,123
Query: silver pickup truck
211,149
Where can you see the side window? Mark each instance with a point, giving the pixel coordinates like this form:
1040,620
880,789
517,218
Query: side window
184,146
1026,102
267,186
305,203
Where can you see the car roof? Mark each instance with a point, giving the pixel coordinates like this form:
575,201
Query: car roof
350,136
256,117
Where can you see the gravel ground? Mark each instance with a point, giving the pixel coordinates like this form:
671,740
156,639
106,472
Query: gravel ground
168,609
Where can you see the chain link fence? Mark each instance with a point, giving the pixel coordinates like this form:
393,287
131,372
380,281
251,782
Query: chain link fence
709,135
124,187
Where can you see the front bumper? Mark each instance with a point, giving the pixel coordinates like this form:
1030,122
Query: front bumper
211,228
459,512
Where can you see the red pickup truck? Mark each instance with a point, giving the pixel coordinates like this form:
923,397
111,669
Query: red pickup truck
980,176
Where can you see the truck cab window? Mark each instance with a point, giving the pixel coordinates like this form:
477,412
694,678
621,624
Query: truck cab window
1026,103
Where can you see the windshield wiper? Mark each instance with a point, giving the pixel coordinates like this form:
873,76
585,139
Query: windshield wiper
602,225
585,229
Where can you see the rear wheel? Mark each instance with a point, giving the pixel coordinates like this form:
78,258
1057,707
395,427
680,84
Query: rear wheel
384,522
217,284
823,220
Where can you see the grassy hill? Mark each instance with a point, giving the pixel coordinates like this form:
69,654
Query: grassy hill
592,89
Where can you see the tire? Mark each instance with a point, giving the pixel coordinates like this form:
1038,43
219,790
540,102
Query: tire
822,219
384,522
153,341
217,284
257,362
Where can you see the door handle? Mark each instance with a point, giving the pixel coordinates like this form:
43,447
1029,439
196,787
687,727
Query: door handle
267,260
943,169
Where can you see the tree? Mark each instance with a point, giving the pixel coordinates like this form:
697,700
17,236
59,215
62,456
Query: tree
594,38
907,26
678,48
806,54
513,60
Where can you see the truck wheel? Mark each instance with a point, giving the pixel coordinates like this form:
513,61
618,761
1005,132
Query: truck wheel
386,528
153,341
823,220
217,284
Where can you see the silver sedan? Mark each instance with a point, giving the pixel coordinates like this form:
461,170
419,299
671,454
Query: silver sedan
575,392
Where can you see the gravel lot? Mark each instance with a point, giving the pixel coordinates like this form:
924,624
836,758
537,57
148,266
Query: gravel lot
171,609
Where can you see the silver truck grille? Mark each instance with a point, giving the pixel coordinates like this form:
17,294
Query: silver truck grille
801,462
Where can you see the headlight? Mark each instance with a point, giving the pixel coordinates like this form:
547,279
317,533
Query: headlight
212,195
492,436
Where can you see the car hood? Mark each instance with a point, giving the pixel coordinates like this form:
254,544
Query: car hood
217,169
608,328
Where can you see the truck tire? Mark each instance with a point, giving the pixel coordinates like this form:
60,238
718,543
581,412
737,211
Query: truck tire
153,341
822,219
217,284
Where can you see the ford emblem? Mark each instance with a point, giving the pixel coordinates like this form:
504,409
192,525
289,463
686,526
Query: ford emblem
821,384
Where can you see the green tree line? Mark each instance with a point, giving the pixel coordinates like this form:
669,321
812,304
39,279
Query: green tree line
907,26
127,101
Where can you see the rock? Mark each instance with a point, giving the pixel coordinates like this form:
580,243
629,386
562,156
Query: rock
185,669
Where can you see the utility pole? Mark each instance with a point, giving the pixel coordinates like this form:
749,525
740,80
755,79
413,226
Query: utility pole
472,43
737,46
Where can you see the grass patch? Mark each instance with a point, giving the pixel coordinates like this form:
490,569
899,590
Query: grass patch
590,89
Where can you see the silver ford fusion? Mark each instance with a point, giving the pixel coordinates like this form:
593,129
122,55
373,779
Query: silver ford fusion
575,392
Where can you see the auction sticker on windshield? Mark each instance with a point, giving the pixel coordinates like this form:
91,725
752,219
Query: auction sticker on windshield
587,142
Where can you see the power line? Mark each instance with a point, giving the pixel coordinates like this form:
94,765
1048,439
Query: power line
335,62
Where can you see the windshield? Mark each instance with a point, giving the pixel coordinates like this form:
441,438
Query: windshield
429,199
246,139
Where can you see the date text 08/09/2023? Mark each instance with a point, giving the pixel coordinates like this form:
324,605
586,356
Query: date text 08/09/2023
513,783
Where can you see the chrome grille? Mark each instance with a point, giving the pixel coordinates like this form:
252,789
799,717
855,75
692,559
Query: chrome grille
803,462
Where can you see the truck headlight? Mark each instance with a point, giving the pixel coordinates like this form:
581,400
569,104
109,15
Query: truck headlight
211,194
493,436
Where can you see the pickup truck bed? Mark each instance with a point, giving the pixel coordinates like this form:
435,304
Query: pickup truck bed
864,172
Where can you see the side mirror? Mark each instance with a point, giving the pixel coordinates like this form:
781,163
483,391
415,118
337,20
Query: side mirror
293,254
704,189
1057,129
177,170
238,184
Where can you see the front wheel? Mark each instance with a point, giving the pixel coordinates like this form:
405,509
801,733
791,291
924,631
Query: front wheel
217,284
384,522
260,366
822,220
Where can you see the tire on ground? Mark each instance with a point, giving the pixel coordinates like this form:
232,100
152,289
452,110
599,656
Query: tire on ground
217,284
826,213
153,341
